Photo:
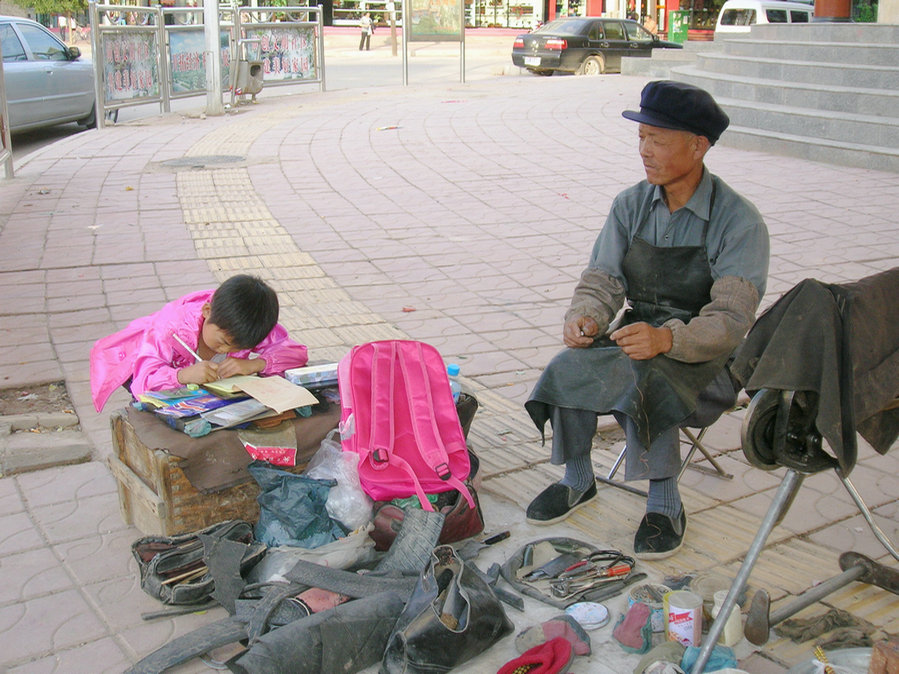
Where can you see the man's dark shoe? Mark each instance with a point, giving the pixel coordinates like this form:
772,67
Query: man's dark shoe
557,502
658,536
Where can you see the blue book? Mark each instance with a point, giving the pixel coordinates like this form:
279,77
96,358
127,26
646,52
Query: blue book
190,407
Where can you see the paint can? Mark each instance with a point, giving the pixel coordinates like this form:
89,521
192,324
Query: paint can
683,617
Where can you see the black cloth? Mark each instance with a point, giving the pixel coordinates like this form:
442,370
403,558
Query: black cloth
840,341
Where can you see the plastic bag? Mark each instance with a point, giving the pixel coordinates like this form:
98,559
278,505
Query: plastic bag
292,509
347,503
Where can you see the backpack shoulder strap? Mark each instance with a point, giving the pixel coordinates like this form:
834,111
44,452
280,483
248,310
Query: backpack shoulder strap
383,402
421,408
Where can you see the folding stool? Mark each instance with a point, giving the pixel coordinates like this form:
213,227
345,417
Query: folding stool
694,439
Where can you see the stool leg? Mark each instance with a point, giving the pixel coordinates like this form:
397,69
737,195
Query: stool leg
617,483
866,513
696,443
782,500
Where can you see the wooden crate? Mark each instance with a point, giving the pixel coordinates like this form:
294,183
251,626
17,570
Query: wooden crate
155,494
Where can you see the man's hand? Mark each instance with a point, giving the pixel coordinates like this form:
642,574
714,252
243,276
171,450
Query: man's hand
641,341
232,367
198,373
579,332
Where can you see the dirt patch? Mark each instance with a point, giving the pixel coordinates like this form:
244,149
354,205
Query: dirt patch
40,398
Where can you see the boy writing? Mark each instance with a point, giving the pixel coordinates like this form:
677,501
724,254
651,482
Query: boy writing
201,337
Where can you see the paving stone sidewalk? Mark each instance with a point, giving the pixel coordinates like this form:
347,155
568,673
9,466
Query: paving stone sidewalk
457,214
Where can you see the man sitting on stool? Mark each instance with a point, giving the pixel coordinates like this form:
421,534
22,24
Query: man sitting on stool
690,255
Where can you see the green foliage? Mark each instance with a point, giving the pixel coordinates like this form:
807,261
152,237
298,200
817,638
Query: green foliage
60,7
865,11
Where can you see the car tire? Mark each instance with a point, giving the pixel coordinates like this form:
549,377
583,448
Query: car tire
90,121
593,65
542,72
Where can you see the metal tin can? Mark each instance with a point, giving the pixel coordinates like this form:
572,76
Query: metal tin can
683,617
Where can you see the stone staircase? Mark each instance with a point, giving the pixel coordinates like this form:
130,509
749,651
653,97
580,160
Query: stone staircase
825,92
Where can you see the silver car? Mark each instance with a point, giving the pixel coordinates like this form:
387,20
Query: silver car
47,82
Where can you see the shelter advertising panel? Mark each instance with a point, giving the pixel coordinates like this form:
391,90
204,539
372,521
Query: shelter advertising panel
286,53
435,20
130,65
187,59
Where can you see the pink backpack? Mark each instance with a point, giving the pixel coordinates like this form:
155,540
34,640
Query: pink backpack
398,415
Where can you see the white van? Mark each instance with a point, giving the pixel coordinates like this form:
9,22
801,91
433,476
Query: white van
738,16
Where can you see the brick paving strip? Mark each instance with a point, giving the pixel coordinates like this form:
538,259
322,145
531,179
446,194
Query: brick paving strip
476,210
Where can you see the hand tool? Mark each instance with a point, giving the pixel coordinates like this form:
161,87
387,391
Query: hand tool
613,588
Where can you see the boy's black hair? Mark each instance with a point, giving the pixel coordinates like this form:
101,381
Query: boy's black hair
246,308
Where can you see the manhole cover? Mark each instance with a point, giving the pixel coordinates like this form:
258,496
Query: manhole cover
204,161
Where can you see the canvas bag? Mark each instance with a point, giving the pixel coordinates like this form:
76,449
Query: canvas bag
398,414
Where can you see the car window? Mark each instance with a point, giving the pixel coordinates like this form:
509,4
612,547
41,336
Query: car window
738,17
44,47
10,44
776,15
637,33
798,16
596,31
614,30
563,27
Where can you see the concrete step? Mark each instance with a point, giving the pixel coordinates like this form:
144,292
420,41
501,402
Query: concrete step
819,96
854,53
808,71
812,149
863,130
819,31
24,452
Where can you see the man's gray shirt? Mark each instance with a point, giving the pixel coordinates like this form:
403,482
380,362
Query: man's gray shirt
737,238
738,250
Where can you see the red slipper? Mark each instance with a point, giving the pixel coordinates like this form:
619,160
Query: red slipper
551,657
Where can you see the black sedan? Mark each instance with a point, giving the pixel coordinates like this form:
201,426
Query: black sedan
584,45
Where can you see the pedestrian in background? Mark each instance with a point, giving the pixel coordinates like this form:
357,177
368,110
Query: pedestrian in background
367,28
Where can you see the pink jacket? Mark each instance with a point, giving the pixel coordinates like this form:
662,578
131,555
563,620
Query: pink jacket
147,352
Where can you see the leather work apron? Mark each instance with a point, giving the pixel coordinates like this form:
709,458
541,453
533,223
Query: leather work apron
660,393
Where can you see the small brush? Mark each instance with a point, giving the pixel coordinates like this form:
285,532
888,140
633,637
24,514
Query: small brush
822,658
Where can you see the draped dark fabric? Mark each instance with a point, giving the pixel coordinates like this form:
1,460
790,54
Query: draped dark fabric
840,341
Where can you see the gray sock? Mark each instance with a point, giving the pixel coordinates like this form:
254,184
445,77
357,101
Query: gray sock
579,473
664,498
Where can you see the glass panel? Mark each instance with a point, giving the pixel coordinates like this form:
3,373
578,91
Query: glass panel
44,47
738,17
11,45
614,30
798,17
776,15
637,33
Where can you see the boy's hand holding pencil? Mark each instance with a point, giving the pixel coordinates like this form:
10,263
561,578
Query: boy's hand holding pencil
204,371
233,367
200,372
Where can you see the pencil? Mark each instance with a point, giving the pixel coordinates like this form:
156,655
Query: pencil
189,350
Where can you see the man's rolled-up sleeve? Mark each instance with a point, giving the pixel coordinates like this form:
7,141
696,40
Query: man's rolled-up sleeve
598,296
720,325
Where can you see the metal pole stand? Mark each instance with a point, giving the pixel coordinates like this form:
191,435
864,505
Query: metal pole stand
779,506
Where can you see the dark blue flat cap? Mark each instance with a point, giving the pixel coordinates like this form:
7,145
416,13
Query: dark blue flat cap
677,105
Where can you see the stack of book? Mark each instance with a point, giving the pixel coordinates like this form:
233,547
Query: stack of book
226,403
